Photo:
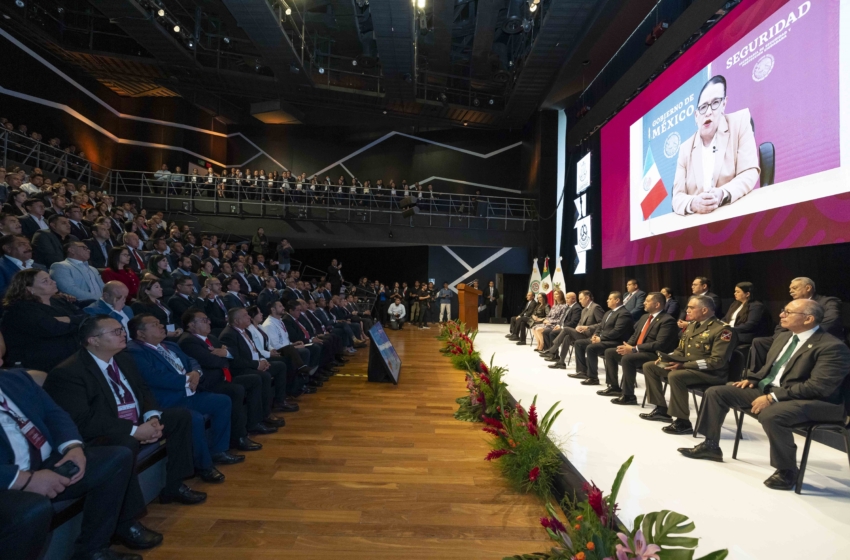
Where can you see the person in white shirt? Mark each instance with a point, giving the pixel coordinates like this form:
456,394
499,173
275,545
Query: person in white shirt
397,313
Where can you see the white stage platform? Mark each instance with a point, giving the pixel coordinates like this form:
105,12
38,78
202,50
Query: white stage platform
727,501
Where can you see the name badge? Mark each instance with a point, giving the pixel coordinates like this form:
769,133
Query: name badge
33,435
128,412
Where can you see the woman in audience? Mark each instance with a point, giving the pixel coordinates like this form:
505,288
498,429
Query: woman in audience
672,306
40,332
747,316
555,316
157,266
15,204
117,268
207,270
260,243
150,301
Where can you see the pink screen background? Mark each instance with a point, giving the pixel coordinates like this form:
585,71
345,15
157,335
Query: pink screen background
817,222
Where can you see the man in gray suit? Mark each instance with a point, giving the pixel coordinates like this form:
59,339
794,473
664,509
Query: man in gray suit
591,316
75,276
802,380
633,299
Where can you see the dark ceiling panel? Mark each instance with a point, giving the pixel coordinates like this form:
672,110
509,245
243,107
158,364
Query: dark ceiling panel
393,24
443,18
485,31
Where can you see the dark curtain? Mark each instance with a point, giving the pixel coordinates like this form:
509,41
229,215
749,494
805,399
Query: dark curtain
515,288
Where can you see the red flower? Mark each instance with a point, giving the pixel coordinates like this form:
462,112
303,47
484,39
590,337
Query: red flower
596,501
532,429
533,474
532,415
484,368
496,453
485,379
490,431
470,350
493,422
553,524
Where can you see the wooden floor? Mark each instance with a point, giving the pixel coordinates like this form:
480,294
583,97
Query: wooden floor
363,470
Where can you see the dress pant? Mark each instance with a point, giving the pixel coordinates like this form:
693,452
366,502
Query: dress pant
678,381
515,322
777,419
273,382
758,352
587,356
25,516
630,364
414,311
447,309
549,336
246,401
424,313
217,408
565,339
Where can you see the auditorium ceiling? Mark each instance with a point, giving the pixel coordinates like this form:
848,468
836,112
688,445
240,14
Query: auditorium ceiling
477,63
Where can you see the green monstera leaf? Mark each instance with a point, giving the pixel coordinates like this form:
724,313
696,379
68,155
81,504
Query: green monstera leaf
665,528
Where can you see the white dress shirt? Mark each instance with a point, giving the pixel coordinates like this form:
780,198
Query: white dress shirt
250,342
259,342
396,309
735,316
20,264
278,336
103,365
42,223
802,338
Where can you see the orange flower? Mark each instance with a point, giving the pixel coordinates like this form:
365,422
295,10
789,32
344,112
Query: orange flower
578,526
579,518
580,556
590,546
512,443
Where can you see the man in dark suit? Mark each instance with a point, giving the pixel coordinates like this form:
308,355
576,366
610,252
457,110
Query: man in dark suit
48,244
803,380
17,256
99,245
298,333
29,486
183,300
137,257
591,316
35,219
109,401
290,293
244,391
614,327
234,298
78,228
569,320
524,314
655,332
335,276
255,280
246,359
268,295
244,286
800,288
672,306
116,222
491,298
173,378
184,270
701,286
633,299
214,307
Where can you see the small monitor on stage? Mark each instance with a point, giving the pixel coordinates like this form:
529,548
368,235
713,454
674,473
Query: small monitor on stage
384,363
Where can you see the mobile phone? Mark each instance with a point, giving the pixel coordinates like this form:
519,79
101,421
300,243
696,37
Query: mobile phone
67,469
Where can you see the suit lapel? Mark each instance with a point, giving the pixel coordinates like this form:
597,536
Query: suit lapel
100,380
696,162
803,348
722,141
775,348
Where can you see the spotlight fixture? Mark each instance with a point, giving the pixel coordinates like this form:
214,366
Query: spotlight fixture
20,3
492,101
191,44
354,62
476,102
532,8
442,97
177,29
227,40
289,11
465,123
420,4
321,70
60,9
160,12
385,112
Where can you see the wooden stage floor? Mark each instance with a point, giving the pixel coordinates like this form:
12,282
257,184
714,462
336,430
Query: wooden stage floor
363,470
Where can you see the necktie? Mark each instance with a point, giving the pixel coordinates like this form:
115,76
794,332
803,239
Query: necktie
171,360
644,330
226,371
250,342
139,260
779,364
33,435
303,330
221,304
124,395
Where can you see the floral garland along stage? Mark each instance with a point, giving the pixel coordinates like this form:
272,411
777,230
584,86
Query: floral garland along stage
586,530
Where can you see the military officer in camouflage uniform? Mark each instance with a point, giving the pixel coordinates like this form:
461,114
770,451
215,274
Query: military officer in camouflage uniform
707,344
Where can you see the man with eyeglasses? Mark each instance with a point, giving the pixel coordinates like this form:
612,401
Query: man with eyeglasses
801,381
719,163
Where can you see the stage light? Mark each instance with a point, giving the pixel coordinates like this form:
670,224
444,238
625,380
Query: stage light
60,9
288,10
532,8
420,4
465,123
385,112
227,40
20,3
160,12
354,62
321,70
177,29
191,44
476,102
492,101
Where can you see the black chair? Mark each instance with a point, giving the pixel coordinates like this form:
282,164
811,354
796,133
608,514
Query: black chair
736,373
767,163
839,426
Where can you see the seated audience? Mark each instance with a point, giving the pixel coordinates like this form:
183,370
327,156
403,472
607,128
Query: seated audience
9,225
525,313
149,301
570,319
591,316
15,204
183,298
555,316
655,331
157,267
671,307
633,299
48,244
704,351
214,306
34,220
17,256
173,378
541,311
118,270
74,276
800,381
234,298
184,270
616,325
397,313
747,316
40,437
701,286
113,303
100,244
39,329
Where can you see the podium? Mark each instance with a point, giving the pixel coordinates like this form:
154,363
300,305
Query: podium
467,298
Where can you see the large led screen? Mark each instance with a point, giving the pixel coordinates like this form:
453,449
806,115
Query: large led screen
741,145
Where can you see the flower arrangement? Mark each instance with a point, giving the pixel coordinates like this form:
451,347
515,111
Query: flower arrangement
588,531
486,391
526,456
460,346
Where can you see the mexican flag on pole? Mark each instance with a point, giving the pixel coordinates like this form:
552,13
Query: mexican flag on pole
534,283
546,282
558,282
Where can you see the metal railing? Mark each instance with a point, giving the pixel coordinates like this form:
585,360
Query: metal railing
269,198
30,153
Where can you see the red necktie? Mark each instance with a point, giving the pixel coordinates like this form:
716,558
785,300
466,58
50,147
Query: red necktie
227,376
300,326
139,260
644,330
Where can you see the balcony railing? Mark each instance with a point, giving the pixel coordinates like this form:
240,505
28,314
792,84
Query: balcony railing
28,152
266,198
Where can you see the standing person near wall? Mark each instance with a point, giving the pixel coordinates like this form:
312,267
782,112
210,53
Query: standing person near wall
413,299
445,296
260,243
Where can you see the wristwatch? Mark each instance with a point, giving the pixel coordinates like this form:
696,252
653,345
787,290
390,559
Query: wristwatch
74,446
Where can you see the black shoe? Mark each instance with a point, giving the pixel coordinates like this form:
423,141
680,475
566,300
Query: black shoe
508,335
246,444
260,429
513,337
625,399
610,391
679,427
108,554
706,450
225,458
540,351
337,364
184,495
309,390
211,475
657,414
520,343
577,375
782,479
558,365
274,421
137,537
551,358
590,381
314,383
286,406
